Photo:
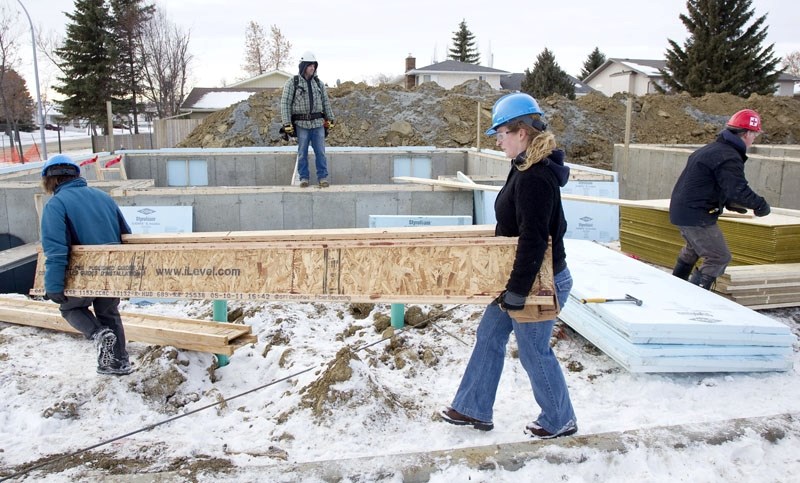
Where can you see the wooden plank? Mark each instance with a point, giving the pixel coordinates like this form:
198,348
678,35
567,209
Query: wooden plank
315,235
486,187
436,270
189,334
14,257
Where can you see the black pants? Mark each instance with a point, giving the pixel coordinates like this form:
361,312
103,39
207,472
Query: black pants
106,315
708,243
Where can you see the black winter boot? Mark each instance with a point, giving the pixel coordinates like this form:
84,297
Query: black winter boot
682,269
702,280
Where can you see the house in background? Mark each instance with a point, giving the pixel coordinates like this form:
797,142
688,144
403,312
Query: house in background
644,74
202,101
513,82
451,73
616,74
274,79
788,85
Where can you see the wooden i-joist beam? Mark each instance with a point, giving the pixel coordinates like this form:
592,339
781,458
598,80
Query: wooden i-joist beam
366,265
189,334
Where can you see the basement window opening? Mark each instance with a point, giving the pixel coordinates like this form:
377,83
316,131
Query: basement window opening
185,172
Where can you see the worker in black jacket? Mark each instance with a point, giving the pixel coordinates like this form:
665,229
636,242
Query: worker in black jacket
528,207
714,180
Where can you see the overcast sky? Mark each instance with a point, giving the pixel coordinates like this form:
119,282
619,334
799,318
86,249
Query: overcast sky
357,40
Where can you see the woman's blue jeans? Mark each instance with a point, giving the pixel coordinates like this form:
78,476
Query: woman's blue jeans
478,388
315,137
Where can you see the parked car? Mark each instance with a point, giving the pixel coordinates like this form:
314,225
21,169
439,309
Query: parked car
52,127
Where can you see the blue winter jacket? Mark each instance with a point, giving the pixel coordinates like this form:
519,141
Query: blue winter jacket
77,215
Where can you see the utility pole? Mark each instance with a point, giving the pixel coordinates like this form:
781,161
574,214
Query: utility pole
39,112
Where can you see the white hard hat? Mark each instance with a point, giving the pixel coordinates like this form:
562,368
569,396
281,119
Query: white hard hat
308,57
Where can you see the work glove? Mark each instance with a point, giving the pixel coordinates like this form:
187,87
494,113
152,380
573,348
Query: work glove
288,129
762,210
736,208
329,124
510,301
57,297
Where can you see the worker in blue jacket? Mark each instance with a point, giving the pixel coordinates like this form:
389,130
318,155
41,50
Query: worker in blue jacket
80,215
714,180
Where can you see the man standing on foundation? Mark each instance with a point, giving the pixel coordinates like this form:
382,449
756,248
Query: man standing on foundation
306,113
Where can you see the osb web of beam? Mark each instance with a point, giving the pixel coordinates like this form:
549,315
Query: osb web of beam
190,334
437,270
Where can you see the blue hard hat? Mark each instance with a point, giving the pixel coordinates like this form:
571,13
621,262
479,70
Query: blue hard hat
70,166
510,107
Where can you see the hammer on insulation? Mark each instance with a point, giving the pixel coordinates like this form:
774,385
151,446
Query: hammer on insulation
628,298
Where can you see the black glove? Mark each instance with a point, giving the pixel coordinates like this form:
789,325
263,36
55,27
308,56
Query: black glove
735,207
762,210
509,301
288,129
57,297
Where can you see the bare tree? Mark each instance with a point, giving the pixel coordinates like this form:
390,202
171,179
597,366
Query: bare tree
791,63
278,49
165,56
382,79
9,34
255,53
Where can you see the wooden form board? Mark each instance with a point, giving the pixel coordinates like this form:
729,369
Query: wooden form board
14,257
436,270
189,334
486,187
458,231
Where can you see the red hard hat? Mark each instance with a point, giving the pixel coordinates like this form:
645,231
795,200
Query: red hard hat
746,119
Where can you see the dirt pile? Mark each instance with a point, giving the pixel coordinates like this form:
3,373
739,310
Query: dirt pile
428,115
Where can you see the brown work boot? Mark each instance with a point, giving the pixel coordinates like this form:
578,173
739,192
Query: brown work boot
323,183
304,183
452,416
534,430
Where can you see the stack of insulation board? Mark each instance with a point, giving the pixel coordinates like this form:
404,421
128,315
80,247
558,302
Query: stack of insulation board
678,328
646,232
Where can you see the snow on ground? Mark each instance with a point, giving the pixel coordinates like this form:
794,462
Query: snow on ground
376,402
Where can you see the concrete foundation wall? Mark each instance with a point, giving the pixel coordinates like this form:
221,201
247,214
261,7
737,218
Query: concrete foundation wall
650,172
18,212
218,209
274,167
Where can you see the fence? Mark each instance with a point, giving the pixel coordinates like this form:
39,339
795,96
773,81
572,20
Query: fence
166,133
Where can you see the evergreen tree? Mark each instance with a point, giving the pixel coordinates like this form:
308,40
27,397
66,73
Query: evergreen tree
128,20
16,104
464,49
88,63
547,78
595,60
722,53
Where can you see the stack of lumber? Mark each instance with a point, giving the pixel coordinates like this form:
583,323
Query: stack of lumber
770,246
646,232
762,286
189,334
678,328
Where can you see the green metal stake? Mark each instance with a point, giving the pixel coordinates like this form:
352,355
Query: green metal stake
221,315
398,315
